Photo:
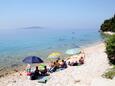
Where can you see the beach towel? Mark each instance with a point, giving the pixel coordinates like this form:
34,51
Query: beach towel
43,79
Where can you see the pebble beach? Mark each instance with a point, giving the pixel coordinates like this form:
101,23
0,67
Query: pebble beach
88,74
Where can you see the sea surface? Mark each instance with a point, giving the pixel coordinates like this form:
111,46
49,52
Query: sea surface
15,44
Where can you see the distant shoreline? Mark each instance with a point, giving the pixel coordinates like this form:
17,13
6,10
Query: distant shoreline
33,27
109,32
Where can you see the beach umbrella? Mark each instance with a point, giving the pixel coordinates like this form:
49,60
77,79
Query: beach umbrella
41,66
73,51
54,55
32,59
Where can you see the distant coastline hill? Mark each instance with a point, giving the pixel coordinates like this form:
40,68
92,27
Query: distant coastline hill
33,27
108,25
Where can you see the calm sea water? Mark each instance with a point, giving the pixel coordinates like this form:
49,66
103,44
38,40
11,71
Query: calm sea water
15,44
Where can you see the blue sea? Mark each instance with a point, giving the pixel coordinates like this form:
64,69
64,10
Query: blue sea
15,44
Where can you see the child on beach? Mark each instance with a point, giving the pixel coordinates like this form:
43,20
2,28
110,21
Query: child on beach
28,70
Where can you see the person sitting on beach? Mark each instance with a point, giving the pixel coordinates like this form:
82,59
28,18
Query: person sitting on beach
82,54
81,60
57,64
35,74
63,64
50,65
28,70
53,68
44,72
69,63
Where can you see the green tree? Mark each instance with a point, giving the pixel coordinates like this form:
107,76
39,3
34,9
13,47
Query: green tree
108,25
110,48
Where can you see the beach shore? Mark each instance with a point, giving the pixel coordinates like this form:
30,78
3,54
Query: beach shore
109,33
88,74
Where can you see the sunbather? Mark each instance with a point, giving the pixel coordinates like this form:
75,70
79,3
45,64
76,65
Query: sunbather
53,68
35,74
63,64
81,61
44,72
73,63
57,64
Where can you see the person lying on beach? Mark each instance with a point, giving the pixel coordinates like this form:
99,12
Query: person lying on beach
76,58
73,63
35,74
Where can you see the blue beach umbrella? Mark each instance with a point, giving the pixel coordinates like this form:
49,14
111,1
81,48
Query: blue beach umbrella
32,59
73,51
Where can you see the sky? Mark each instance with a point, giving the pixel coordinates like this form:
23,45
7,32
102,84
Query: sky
55,13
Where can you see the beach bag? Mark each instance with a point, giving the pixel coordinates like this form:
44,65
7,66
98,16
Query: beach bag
29,73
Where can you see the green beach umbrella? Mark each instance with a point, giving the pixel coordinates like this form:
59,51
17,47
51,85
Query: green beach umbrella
41,66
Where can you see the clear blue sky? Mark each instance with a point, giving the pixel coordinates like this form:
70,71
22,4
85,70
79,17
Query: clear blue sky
55,13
